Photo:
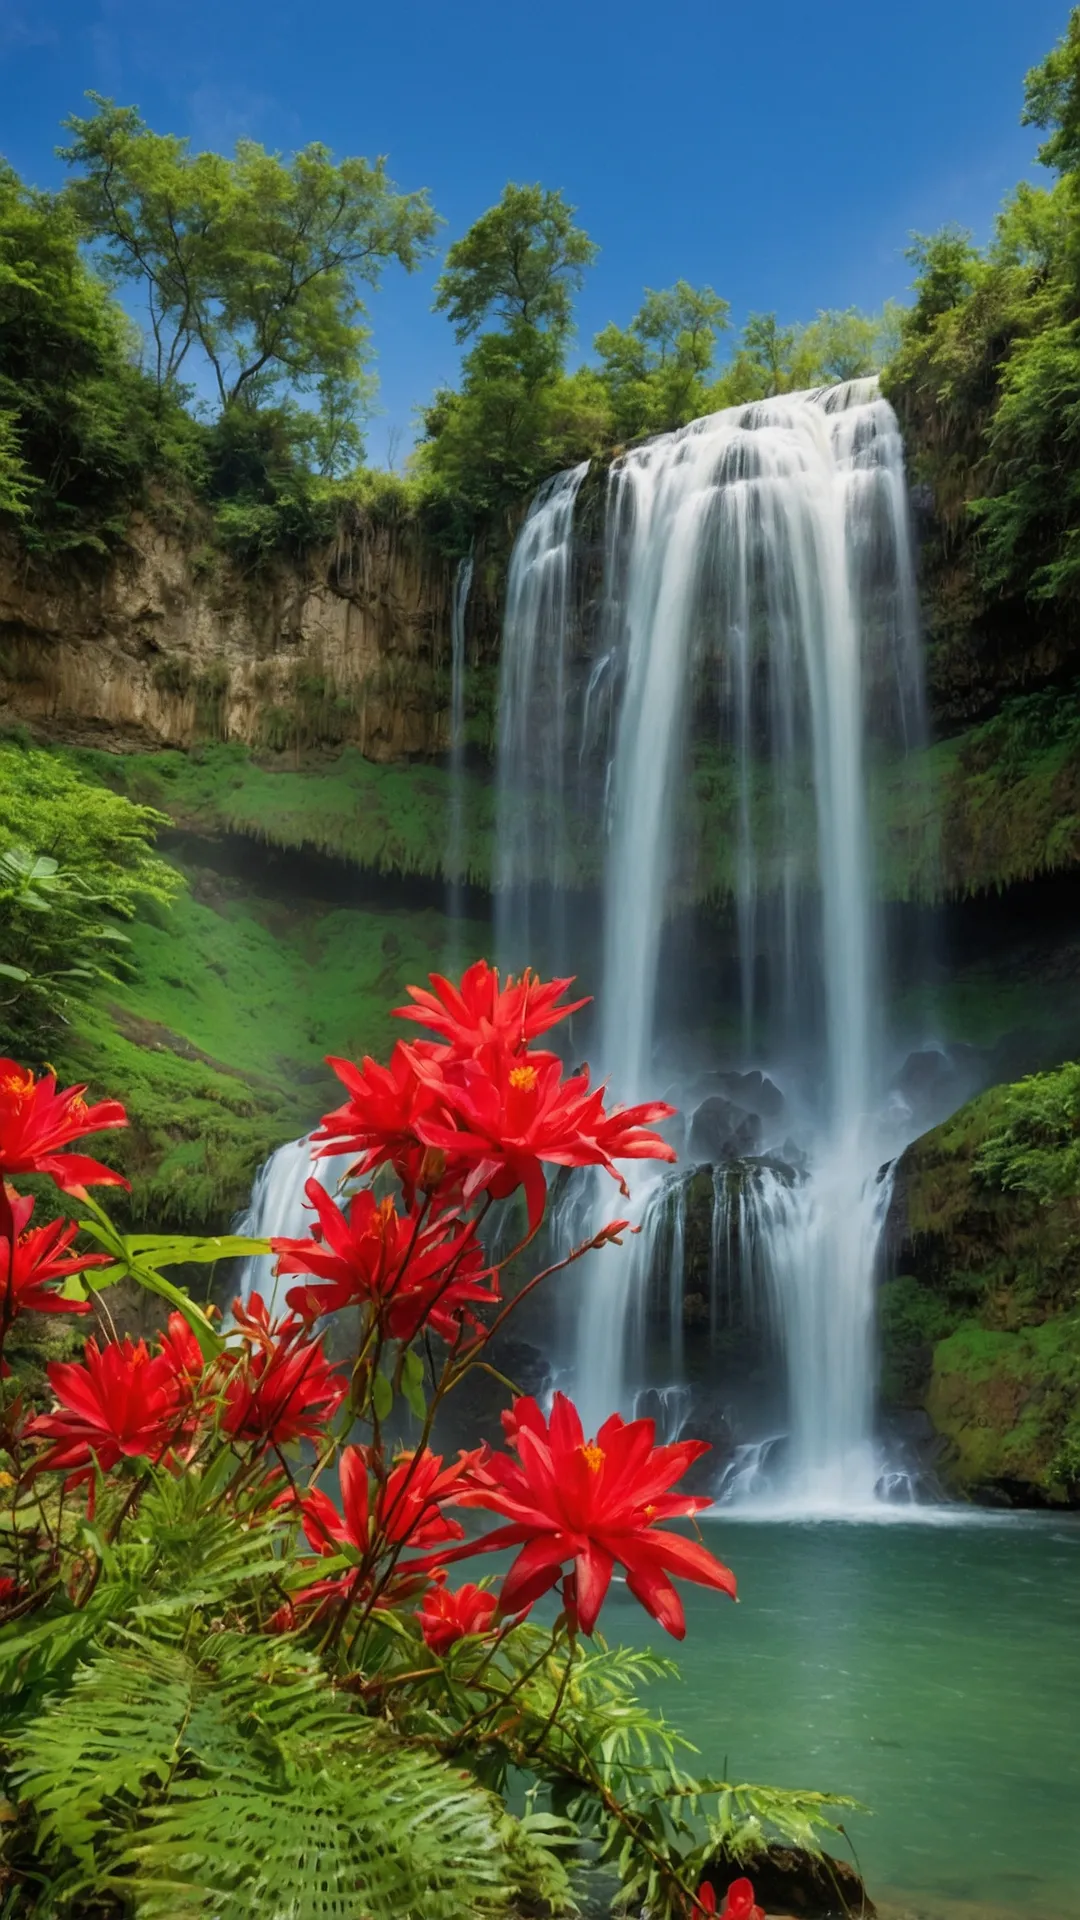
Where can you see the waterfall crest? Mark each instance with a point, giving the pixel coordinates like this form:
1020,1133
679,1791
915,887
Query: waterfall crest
746,624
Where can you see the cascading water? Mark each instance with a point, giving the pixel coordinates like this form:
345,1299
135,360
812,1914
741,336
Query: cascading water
534,723
756,634
455,836
278,1208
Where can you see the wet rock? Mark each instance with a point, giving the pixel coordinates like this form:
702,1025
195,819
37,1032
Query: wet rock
753,1091
720,1130
788,1880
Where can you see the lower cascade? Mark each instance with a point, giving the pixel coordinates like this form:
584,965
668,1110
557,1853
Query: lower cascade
731,612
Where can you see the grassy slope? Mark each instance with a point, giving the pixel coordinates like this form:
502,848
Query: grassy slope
216,1045
385,818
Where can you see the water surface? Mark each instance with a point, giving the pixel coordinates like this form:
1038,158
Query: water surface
931,1671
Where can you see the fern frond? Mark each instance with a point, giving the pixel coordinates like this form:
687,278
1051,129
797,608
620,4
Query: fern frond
238,1783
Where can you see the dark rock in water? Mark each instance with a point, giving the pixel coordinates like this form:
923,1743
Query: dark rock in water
753,1091
789,1880
721,1131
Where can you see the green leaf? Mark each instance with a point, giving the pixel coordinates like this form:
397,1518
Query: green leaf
412,1382
13,973
140,1257
382,1396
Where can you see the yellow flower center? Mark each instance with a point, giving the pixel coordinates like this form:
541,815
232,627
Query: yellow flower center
19,1086
594,1456
523,1077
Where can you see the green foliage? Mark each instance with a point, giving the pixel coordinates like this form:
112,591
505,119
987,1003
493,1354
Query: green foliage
518,265
190,1767
1052,99
252,263
987,379
82,431
74,860
1035,1148
656,369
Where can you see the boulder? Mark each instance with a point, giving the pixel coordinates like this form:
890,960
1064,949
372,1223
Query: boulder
790,1881
720,1130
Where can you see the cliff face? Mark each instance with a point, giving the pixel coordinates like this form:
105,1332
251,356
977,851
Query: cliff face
170,643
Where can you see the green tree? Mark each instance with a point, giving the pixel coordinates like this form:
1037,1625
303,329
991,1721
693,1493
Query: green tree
83,430
1052,99
517,415
253,262
520,264
656,368
839,345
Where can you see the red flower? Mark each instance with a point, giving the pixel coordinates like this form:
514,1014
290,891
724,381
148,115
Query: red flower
378,1121
513,1113
372,1255
32,1260
120,1402
283,1387
406,1511
181,1351
595,1504
739,1904
469,1017
448,1614
36,1121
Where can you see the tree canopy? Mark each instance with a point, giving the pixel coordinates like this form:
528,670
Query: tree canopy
655,370
253,262
521,262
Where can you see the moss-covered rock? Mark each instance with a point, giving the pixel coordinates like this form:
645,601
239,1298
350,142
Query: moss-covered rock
1009,1404
981,1325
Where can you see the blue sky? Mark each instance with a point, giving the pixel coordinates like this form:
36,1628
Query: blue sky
781,150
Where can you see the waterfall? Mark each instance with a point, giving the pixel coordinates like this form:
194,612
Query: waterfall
455,837
748,625
534,846
278,1208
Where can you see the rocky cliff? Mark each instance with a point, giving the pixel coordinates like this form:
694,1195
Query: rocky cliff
171,642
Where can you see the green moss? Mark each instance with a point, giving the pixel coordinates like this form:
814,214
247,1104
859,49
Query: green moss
387,819
1009,1403
911,1317
992,1206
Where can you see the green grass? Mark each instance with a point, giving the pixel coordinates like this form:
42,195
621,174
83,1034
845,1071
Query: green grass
385,818
216,1044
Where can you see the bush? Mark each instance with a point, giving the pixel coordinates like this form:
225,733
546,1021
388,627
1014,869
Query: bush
75,861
